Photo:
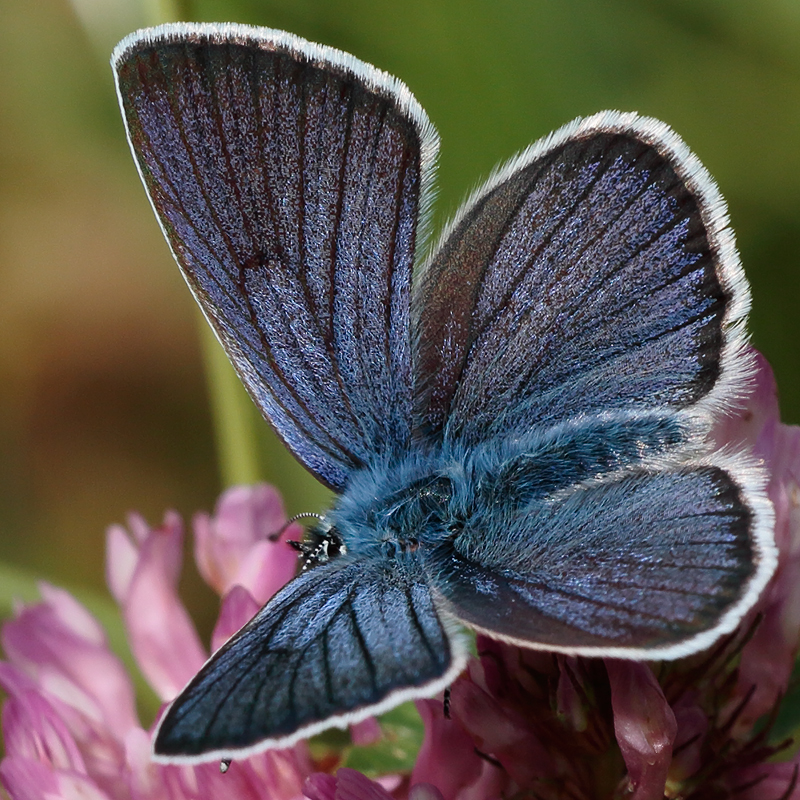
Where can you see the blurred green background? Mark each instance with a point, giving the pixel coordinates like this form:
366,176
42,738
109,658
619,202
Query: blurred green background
103,399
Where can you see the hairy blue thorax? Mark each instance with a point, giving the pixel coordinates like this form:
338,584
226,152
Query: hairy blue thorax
399,508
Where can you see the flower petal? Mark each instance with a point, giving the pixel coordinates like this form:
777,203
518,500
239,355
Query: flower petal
122,556
32,729
644,725
27,779
320,786
63,650
238,608
768,781
424,791
744,428
348,784
768,658
447,757
276,774
236,545
692,727
366,732
162,636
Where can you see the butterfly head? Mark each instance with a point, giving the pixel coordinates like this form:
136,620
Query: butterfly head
320,544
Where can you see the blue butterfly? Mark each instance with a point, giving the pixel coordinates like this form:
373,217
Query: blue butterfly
515,420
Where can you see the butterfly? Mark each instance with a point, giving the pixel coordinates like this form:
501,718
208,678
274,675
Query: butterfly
515,420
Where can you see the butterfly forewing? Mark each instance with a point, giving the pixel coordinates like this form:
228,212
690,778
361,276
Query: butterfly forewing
287,178
589,276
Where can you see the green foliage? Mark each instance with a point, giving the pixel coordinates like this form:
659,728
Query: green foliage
396,751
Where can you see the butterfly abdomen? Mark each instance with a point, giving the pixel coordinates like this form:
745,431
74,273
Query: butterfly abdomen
429,500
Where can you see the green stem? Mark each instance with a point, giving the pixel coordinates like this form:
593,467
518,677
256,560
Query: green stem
235,417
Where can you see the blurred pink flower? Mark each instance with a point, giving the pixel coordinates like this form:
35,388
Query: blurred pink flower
236,546
70,724
768,659
348,784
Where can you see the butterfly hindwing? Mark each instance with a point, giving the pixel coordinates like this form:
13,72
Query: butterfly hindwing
649,563
342,641
287,178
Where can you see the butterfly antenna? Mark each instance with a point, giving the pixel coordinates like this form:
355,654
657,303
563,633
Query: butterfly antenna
273,537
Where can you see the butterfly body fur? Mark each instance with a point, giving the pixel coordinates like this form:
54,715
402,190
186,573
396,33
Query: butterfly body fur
516,422
434,492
